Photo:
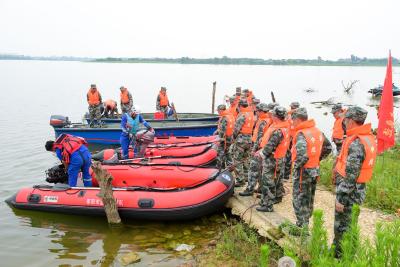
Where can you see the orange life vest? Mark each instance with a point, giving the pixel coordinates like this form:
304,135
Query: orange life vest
93,98
281,149
250,98
249,122
68,145
163,99
367,139
110,104
124,96
314,139
232,109
263,117
230,122
337,131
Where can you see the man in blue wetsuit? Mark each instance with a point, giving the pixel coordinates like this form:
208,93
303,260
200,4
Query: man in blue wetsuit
74,154
130,122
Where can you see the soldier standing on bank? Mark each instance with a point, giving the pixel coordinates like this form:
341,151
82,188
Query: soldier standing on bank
274,145
226,124
94,100
309,146
263,122
126,100
242,141
288,161
339,130
354,168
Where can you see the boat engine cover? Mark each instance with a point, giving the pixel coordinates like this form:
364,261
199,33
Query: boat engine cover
59,121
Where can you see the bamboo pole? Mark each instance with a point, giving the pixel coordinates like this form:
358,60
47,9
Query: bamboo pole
213,97
273,97
106,193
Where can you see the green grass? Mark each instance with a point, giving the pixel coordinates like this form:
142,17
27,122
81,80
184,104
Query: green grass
383,191
385,251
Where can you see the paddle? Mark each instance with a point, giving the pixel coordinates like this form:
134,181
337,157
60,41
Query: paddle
174,110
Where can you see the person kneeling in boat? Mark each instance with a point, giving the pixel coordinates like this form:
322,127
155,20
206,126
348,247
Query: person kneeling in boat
74,154
130,125
110,108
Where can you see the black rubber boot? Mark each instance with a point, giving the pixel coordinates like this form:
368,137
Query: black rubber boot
246,193
265,209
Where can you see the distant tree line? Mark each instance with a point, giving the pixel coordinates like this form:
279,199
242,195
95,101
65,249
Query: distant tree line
351,61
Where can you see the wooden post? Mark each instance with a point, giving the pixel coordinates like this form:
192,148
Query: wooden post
106,194
273,97
213,97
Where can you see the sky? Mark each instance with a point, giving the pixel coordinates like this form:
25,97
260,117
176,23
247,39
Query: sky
265,29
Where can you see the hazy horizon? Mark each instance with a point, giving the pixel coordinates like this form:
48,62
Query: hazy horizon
286,29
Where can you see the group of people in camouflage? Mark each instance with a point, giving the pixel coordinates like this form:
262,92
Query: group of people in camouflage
265,144
108,108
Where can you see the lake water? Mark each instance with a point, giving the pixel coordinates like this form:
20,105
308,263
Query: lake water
30,91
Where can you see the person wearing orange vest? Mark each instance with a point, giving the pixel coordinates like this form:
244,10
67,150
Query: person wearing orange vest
263,122
288,161
126,100
354,167
274,145
163,102
94,100
233,107
240,150
310,145
75,156
226,123
338,131
110,108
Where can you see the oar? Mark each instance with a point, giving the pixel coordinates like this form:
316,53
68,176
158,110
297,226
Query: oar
174,110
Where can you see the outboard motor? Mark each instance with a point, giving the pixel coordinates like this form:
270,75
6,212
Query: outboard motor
143,139
57,174
59,121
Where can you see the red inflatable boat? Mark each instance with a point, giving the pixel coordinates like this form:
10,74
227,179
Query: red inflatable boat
188,154
157,175
185,139
146,200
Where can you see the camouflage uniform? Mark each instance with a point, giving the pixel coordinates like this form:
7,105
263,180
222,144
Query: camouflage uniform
348,191
95,111
256,161
338,142
163,109
303,200
240,150
223,158
128,106
288,160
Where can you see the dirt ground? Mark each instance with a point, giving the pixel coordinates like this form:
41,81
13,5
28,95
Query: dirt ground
324,200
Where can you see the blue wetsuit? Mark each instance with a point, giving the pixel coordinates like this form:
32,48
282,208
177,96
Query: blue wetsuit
124,139
80,160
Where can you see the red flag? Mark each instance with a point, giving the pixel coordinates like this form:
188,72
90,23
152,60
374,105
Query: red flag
386,119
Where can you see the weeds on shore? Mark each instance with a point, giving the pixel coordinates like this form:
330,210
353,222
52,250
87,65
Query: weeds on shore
385,251
383,191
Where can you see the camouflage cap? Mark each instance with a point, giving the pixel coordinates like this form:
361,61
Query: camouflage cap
263,107
357,114
271,106
92,85
279,112
245,91
336,107
243,102
256,101
163,88
232,99
221,107
238,89
300,113
295,105
122,88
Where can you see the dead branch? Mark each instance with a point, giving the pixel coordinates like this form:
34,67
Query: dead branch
349,86
106,193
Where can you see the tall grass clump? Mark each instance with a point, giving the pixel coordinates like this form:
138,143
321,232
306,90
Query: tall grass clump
383,252
240,243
